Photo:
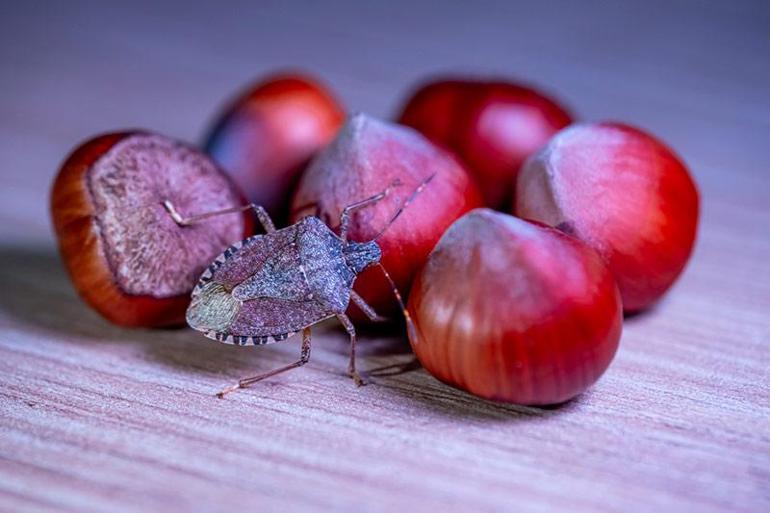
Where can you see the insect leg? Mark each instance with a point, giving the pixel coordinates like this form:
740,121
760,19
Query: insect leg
303,359
345,216
366,308
397,368
406,203
262,215
352,365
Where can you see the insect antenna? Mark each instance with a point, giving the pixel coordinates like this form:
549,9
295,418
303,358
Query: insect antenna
406,203
407,318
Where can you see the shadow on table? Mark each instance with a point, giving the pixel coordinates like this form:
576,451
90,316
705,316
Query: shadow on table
38,294
423,390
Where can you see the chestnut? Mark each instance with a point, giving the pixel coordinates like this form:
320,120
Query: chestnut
266,137
126,256
367,157
625,193
514,311
492,126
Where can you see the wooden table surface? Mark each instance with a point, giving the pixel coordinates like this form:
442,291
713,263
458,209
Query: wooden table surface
98,418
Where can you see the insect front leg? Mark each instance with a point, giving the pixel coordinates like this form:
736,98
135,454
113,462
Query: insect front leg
347,211
366,307
262,215
352,372
303,359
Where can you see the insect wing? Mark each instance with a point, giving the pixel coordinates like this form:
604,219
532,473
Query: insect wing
255,292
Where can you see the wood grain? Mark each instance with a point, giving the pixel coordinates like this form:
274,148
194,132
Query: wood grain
98,418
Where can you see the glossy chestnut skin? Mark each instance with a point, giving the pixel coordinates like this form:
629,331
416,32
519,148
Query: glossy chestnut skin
492,126
366,158
514,311
625,193
125,255
268,135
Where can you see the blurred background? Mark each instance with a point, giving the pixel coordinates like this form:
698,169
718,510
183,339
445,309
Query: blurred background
678,423
68,70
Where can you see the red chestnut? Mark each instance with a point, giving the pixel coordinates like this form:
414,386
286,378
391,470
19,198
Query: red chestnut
126,256
366,158
625,193
492,126
269,134
514,311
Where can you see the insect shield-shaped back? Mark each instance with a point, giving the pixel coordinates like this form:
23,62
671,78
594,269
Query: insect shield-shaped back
268,287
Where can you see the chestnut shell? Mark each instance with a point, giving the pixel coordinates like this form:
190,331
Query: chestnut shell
625,193
367,157
267,135
492,126
514,311
117,287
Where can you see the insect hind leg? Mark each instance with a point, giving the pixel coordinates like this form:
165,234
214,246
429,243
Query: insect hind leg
303,359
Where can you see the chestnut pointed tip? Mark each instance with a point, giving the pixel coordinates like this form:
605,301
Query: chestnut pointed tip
366,158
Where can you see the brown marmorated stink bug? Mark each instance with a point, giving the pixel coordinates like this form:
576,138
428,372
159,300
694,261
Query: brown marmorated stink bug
269,287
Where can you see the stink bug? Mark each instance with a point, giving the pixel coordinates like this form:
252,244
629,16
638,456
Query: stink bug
269,287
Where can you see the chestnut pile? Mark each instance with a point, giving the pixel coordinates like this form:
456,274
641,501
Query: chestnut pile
521,255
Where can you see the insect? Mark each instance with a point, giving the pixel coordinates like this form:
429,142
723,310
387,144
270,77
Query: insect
268,287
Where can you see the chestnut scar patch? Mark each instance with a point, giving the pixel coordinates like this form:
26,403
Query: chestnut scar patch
147,252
